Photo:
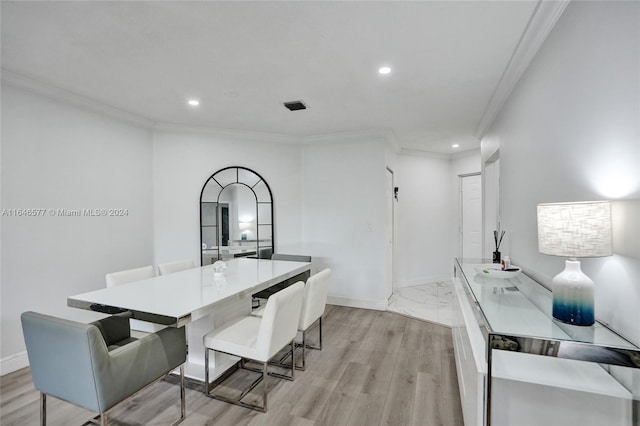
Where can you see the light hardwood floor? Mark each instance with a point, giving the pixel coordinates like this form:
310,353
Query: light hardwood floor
376,368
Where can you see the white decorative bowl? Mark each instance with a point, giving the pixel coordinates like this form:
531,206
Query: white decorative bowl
493,270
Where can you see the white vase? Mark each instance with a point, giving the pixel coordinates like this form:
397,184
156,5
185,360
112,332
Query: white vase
573,295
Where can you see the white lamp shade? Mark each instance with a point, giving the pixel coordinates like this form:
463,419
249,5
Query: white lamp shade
581,229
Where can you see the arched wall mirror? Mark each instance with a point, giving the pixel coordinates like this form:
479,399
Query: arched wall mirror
236,216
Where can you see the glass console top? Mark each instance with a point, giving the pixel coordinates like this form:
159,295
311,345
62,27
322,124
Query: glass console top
520,306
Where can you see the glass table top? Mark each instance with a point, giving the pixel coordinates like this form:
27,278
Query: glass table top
520,306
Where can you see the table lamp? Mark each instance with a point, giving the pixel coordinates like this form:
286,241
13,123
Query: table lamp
580,229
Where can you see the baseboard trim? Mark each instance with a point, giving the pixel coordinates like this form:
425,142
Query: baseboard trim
13,363
376,305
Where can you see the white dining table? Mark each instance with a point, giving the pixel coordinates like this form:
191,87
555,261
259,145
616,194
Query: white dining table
196,298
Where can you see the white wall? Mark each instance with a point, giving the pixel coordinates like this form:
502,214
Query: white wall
571,132
56,156
425,217
182,162
344,197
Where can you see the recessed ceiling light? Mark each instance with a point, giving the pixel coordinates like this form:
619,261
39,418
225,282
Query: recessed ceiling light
384,70
193,102
455,145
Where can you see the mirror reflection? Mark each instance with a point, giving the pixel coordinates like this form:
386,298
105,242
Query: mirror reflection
236,212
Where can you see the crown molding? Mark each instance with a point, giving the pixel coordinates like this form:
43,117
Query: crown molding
542,21
233,133
38,87
357,136
393,141
463,154
23,82
439,155
426,154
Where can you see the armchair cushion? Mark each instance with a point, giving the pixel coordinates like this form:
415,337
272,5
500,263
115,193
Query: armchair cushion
261,338
115,329
237,338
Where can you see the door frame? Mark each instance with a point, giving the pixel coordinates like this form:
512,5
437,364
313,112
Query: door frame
390,233
461,212
490,201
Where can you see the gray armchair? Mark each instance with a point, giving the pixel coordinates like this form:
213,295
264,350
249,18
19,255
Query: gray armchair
98,365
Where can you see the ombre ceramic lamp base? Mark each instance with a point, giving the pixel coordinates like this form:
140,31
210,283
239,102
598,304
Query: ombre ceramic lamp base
573,296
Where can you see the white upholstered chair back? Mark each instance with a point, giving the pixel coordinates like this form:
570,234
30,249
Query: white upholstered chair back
177,266
315,298
279,324
130,275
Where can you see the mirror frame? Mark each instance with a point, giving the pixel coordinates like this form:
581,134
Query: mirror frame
251,186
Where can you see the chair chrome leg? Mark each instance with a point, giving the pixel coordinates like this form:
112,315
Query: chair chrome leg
183,399
102,419
304,345
183,395
265,377
206,371
255,383
293,357
319,345
43,409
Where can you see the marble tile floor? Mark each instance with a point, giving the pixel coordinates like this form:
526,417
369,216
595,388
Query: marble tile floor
430,302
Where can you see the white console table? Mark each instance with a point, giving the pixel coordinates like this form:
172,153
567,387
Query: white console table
516,365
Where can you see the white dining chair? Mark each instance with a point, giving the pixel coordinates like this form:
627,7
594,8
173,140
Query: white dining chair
313,306
128,276
267,292
176,266
258,339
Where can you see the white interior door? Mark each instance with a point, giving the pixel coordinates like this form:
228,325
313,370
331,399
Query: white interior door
389,235
471,215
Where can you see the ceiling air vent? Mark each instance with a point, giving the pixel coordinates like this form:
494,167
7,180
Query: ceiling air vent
295,105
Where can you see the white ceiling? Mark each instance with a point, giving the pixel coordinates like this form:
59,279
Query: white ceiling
244,59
